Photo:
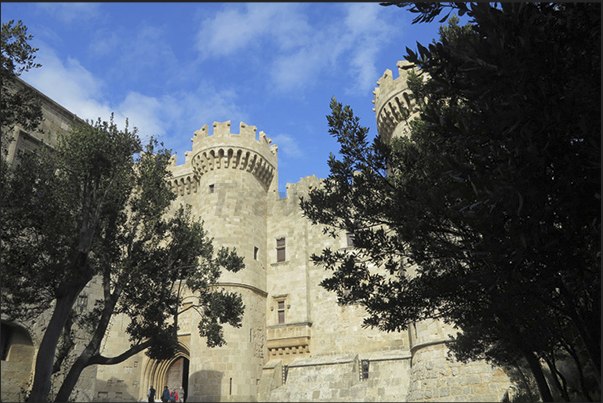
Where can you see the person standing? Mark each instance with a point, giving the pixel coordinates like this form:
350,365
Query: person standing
151,394
165,396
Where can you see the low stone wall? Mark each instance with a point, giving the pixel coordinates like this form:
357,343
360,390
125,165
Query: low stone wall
337,378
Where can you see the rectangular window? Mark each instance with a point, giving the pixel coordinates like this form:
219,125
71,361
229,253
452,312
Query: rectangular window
211,188
281,311
280,250
255,253
364,372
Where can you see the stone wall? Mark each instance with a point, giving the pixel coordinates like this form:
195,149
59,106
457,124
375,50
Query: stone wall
17,370
436,378
339,378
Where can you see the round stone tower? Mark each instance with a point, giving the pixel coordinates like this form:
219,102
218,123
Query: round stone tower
393,104
226,179
433,376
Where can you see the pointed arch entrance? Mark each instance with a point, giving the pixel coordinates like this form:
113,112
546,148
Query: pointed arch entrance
173,373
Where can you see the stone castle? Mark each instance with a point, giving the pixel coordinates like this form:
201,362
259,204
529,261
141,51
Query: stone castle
296,342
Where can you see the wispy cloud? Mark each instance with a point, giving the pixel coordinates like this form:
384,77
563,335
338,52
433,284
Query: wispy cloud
70,12
369,30
69,84
175,115
241,27
288,146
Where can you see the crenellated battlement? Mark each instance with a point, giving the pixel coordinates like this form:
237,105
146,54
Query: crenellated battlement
222,133
225,150
301,188
393,103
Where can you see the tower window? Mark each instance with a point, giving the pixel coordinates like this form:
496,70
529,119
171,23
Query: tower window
350,238
255,252
364,372
281,311
211,188
280,250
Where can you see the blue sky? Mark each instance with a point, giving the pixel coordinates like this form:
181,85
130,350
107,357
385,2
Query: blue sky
171,68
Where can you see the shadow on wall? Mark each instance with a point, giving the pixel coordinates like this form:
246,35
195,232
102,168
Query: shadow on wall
208,386
117,393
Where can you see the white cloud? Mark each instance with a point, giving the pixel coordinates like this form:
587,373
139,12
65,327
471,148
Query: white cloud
299,48
173,117
239,27
69,12
69,84
228,32
369,31
143,112
78,90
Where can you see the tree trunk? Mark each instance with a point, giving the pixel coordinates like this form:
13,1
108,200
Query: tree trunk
536,368
558,378
93,346
72,377
85,360
48,346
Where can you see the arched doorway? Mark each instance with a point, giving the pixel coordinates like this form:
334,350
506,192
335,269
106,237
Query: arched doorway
17,360
173,373
177,375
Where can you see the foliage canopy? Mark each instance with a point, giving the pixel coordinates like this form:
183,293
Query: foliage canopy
95,207
19,105
488,216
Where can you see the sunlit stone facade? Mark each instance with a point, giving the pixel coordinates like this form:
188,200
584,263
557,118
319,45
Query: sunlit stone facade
296,343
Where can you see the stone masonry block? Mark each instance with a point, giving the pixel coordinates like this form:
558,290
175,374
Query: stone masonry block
480,389
472,379
443,392
456,390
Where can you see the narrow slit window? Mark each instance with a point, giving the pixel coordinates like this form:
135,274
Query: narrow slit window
255,252
364,373
281,311
280,250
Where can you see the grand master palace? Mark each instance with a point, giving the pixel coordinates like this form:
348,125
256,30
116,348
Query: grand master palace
296,343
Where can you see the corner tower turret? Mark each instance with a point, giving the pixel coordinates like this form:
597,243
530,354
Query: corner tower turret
393,103
227,178
432,375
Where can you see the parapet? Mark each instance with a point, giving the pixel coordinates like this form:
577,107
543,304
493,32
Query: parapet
393,103
226,150
303,187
